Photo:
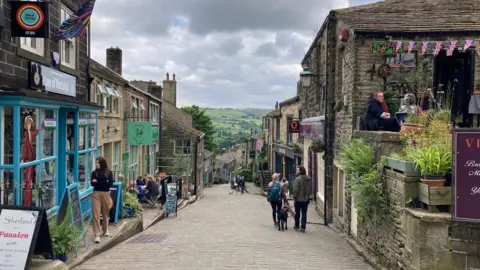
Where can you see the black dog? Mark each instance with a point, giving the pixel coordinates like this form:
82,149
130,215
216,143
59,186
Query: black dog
282,218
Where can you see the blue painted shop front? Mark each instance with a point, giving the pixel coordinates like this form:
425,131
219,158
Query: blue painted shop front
46,145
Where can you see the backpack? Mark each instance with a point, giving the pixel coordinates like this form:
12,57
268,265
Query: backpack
275,192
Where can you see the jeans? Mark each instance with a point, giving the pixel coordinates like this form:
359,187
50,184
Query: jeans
301,207
276,206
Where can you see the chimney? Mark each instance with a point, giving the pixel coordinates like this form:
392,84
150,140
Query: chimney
114,59
169,93
168,77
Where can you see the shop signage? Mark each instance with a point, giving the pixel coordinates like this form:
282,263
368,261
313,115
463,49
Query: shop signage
116,201
29,19
155,134
385,47
82,121
293,126
50,123
51,80
139,133
23,232
466,174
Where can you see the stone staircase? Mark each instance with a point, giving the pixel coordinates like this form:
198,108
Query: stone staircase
266,177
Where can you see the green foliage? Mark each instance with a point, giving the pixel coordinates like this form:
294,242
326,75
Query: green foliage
443,116
297,149
357,157
130,199
65,236
202,122
433,160
318,146
365,183
392,99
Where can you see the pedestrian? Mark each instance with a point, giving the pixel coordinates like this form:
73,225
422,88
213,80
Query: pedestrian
302,190
274,196
286,188
101,180
242,184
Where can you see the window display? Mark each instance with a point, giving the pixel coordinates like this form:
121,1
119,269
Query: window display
7,187
7,140
49,123
28,153
82,172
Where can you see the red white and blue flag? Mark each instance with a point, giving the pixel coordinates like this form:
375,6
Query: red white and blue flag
411,45
478,48
451,48
425,47
438,48
467,44
398,46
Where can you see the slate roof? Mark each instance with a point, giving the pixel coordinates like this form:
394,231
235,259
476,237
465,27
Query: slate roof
413,16
274,113
105,70
174,122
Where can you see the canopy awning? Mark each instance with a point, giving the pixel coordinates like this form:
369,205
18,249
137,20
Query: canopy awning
313,127
313,120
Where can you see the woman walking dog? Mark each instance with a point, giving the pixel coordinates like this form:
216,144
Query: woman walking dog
274,196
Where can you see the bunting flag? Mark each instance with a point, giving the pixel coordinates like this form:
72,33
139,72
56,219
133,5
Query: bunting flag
77,25
438,48
425,47
259,145
467,44
411,45
451,48
398,46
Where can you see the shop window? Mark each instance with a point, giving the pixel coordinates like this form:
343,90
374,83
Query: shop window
134,152
403,66
7,140
7,187
29,126
82,172
92,134
47,186
83,131
49,125
68,46
116,157
182,147
134,104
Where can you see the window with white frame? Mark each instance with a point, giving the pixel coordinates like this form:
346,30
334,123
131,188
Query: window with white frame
154,111
111,102
182,147
141,111
134,160
116,157
100,93
67,46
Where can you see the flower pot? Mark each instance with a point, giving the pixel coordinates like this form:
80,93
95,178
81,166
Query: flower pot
433,181
410,128
408,168
62,258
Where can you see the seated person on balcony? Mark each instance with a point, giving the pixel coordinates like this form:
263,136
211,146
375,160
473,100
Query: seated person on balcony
377,116
408,104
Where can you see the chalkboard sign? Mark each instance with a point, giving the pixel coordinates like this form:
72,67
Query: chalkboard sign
171,204
71,198
116,201
24,232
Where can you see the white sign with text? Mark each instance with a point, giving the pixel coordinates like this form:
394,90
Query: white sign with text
16,233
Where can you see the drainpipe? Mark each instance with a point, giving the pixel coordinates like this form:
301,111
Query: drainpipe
325,131
195,187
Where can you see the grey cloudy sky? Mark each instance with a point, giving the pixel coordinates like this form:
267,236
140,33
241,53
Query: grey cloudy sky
225,53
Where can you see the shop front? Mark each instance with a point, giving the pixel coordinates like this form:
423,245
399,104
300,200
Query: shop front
48,140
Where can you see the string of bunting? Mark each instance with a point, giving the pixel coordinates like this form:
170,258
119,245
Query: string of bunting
385,47
77,25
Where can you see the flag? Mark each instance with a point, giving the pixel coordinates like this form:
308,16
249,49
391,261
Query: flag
259,145
467,44
425,47
451,48
438,47
478,48
398,46
411,45
77,25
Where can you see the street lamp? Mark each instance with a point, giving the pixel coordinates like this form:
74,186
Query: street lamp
306,77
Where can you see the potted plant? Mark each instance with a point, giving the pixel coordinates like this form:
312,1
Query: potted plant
317,146
64,238
297,149
401,162
434,162
412,124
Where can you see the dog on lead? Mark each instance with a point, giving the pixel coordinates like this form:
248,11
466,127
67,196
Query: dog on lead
282,218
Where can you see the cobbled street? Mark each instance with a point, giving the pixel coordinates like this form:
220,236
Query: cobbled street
223,231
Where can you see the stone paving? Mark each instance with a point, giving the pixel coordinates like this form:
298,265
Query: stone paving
223,231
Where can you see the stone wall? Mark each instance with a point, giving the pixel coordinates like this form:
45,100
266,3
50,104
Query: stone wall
14,60
288,111
177,114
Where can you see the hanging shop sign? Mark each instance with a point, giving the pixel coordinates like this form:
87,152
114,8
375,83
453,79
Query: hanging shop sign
51,80
24,232
29,19
139,133
293,126
466,174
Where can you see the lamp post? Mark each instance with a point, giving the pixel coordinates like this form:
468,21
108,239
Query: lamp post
306,77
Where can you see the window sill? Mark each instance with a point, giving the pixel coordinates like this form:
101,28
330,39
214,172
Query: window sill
69,70
32,56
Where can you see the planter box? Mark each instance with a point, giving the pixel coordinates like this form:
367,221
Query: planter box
405,167
434,196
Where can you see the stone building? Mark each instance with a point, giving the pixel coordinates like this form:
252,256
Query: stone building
46,111
376,47
223,166
107,90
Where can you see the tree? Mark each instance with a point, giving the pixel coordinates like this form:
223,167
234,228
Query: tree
203,123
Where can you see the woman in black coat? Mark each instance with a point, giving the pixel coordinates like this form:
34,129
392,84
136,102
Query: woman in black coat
377,116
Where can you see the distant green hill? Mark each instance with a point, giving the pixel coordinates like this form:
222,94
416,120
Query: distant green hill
233,125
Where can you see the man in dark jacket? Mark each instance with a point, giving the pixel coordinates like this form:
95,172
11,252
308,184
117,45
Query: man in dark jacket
377,116
302,191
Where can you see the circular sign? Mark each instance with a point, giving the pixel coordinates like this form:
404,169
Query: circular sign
293,125
30,17
36,78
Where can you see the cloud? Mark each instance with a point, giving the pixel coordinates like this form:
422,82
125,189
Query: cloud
237,53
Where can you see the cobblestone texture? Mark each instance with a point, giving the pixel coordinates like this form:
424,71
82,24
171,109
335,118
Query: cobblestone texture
223,231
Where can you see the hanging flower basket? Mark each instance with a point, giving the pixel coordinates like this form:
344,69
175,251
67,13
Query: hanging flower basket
318,146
